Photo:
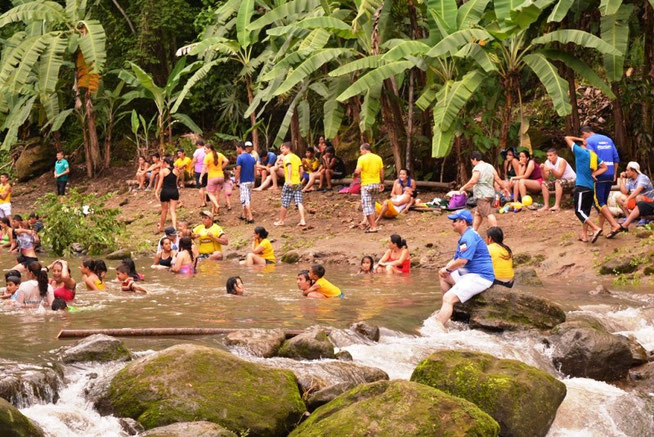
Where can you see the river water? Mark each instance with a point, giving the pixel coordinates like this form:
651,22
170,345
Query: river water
401,305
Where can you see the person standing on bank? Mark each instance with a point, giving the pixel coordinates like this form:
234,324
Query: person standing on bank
371,168
292,190
245,164
198,164
167,192
61,172
5,196
482,183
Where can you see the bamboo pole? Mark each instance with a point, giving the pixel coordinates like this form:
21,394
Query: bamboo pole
153,332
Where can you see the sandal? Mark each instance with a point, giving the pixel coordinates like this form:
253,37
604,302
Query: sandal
616,232
596,236
371,231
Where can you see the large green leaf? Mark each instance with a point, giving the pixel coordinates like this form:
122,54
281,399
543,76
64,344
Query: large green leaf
310,65
175,75
453,97
366,8
32,49
456,40
226,11
581,68
556,86
370,108
304,117
50,103
375,77
615,32
441,143
285,64
331,23
406,48
426,98
243,18
333,111
445,14
59,120
470,13
188,122
288,9
92,45
200,74
37,10
50,63
609,7
503,8
15,120
560,11
580,38
373,61
528,12
286,122
146,81
479,55
317,39
134,122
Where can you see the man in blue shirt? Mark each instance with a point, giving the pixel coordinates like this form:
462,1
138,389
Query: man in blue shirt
605,149
588,167
245,164
470,271
61,172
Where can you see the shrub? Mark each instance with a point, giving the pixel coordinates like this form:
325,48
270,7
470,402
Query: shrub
79,218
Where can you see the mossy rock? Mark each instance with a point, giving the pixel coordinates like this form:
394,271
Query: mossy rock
521,258
188,383
98,347
291,257
397,408
617,266
501,309
13,423
521,398
188,429
312,344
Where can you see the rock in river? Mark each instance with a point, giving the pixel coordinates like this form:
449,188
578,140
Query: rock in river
312,344
370,332
584,348
98,347
521,398
187,383
397,408
259,342
14,424
501,309
190,429
24,384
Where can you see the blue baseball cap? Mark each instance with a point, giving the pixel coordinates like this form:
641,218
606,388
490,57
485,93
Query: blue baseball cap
461,214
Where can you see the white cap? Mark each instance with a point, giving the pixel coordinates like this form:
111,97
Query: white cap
634,166
248,144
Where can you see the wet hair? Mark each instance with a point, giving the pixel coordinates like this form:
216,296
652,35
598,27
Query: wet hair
213,152
552,150
496,234
129,262
62,266
161,242
11,273
305,274
13,279
41,277
526,152
369,258
59,304
476,155
261,232
586,129
100,268
231,284
123,268
398,241
318,269
89,264
185,243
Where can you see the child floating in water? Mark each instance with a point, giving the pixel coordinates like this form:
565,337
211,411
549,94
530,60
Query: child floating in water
367,264
321,287
127,282
235,286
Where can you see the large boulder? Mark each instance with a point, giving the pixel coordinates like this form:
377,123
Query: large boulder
187,383
370,332
502,309
312,344
186,429
259,342
24,384
14,424
397,408
521,398
98,347
35,160
119,254
584,348
618,265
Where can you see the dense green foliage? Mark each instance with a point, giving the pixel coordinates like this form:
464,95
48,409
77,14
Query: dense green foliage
418,78
78,218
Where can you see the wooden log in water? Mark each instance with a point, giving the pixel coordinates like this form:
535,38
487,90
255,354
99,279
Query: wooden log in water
154,332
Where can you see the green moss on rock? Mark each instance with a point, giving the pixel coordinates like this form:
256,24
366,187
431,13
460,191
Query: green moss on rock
312,344
521,398
188,383
397,408
13,423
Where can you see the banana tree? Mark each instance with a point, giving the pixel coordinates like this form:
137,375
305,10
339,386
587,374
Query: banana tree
166,99
48,35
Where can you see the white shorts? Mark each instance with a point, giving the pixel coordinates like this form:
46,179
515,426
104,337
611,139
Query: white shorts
468,285
5,210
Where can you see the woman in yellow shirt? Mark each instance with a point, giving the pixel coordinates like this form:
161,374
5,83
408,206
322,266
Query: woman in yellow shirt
214,166
262,251
502,257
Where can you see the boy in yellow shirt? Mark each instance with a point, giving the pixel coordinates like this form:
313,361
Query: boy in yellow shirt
292,189
371,169
183,166
321,287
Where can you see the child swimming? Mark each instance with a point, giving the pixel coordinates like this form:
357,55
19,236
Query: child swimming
235,286
321,287
367,264
127,282
91,275
13,282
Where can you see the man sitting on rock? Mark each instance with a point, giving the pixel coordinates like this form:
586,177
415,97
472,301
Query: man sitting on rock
559,176
470,271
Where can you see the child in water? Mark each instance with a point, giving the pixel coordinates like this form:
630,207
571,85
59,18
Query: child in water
13,282
127,282
303,280
367,263
91,275
235,286
321,287
129,262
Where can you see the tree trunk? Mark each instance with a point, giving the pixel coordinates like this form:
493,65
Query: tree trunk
162,135
408,158
299,145
462,171
108,139
94,144
253,116
647,81
394,134
620,135
507,111
572,120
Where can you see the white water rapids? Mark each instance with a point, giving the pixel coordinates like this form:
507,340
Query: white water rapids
591,408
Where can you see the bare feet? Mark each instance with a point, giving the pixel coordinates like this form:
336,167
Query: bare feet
543,209
301,224
555,209
279,223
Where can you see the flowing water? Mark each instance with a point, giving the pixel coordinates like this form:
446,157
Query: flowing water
402,305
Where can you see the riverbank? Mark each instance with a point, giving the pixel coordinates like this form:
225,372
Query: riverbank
543,241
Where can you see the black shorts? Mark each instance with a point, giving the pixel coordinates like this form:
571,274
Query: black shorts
201,183
583,202
168,195
338,175
26,260
645,208
602,192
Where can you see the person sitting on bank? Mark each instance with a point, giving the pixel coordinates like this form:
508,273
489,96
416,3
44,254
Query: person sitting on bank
311,165
642,209
397,258
502,257
141,172
211,238
470,271
183,164
153,171
234,285
634,187
262,250
558,175
403,195
321,288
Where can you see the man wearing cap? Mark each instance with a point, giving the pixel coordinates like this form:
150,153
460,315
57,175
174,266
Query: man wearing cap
211,238
172,235
245,164
470,272
292,190
482,182
634,187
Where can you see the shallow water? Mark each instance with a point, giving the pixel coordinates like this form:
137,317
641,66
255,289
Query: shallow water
402,305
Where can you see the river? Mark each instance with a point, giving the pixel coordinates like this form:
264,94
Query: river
401,305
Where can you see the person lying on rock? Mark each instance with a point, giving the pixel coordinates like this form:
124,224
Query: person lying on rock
321,287
470,272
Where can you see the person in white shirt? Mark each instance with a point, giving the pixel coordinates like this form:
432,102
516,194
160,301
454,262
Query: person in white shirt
634,187
557,175
36,291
